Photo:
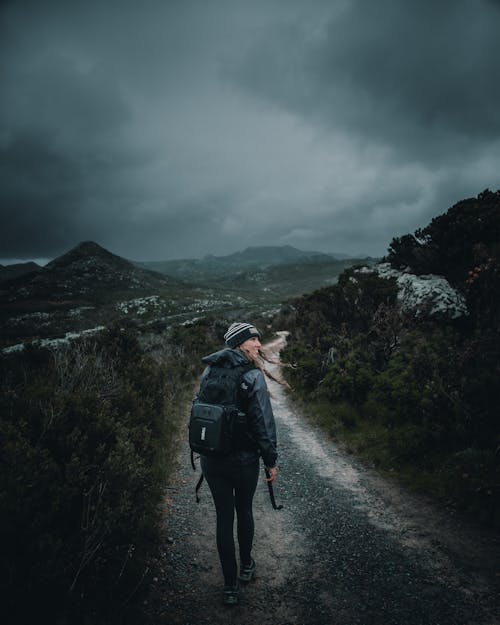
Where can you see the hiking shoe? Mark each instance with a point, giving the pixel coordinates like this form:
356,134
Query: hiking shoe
247,572
231,595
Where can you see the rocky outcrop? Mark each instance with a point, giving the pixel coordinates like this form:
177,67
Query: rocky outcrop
425,296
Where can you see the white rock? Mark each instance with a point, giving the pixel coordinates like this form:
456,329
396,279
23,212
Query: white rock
427,295
53,343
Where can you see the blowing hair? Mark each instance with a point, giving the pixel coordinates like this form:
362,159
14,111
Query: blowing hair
259,364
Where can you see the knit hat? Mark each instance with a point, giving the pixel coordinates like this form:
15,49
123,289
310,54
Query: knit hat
238,333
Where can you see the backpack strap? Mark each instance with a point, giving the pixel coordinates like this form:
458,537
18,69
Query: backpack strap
197,488
271,491
200,479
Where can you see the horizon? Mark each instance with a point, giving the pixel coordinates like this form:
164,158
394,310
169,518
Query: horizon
44,261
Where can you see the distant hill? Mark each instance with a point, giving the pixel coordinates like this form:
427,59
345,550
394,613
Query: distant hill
89,287
266,255
8,272
86,270
259,257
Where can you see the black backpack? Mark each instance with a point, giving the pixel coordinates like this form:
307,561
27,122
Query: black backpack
218,423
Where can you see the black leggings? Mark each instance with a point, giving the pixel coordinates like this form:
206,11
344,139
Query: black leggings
233,487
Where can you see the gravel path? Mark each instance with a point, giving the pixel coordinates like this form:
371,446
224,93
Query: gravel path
348,547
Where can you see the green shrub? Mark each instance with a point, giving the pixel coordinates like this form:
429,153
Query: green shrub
409,444
306,367
350,379
471,479
454,242
86,431
411,393
346,414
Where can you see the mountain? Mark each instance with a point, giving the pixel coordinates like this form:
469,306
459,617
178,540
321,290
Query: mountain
265,256
87,271
252,258
84,290
89,287
9,272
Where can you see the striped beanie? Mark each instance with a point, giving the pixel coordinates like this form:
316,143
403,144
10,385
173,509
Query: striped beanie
238,333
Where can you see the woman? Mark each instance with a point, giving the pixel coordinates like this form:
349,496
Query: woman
233,479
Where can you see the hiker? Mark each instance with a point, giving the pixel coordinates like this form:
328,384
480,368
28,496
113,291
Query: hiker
233,478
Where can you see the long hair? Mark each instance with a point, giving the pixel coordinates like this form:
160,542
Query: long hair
259,364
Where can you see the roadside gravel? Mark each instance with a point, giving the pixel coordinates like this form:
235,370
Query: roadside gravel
348,547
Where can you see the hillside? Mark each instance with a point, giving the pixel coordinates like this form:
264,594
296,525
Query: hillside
10,272
402,364
250,259
87,270
269,274
282,281
265,255
88,432
88,288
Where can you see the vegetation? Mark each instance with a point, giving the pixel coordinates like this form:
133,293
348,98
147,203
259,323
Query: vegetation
416,396
89,287
88,428
87,433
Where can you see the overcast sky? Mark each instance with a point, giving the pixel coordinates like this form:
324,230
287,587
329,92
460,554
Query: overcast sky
178,128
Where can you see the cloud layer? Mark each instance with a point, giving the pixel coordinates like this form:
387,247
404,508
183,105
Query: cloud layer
171,129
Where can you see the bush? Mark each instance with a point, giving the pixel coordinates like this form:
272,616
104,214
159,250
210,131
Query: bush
85,435
454,242
412,393
471,479
344,413
306,367
350,379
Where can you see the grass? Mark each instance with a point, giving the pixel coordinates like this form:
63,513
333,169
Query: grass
459,480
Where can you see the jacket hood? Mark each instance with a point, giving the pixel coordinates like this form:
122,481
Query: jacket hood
226,357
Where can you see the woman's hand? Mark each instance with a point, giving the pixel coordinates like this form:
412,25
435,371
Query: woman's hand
273,474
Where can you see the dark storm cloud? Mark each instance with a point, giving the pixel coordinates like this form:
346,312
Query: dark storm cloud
58,120
103,131
418,77
174,128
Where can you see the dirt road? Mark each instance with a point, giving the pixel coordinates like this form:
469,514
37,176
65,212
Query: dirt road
348,547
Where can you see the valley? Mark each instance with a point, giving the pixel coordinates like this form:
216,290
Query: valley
89,288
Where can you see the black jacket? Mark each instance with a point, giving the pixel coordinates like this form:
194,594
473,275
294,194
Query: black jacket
260,418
